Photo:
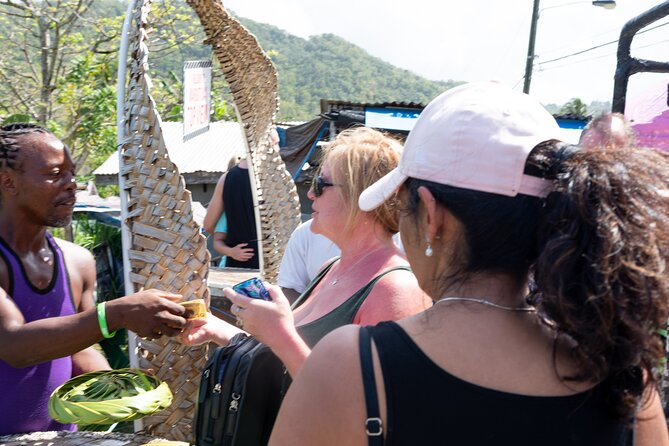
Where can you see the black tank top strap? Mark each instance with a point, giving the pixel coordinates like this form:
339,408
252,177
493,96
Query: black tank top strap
363,292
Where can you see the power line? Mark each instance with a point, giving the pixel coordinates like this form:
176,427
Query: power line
615,31
557,67
598,57
597,46
579,52
518,83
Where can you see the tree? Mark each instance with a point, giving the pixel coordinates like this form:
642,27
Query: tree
64,51
60,69
575,107
67,51
45,34
86,97
177,38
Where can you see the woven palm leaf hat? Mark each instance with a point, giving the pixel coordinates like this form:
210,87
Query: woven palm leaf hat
476,136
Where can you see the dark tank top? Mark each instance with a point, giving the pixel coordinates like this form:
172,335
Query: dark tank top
238,207
314,331
24,392
427,405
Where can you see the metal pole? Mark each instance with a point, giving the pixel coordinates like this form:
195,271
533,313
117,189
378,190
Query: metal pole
120,136
530,48
628,65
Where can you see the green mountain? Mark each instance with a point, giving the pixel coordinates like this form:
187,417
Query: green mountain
329,67
84,62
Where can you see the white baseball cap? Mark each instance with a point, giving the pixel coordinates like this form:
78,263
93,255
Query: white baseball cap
476,136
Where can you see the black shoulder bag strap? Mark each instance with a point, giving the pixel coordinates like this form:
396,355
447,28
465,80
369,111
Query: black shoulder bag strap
373,423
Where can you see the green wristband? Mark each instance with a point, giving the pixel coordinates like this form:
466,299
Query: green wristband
102,320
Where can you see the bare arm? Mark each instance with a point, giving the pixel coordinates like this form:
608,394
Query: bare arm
211,329
272,323
25,344
238,252
89,359
215,208
651,425
149,313
219,243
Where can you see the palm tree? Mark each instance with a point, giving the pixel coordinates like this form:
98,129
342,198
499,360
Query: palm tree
576,108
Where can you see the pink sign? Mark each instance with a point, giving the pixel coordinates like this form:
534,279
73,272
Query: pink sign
197,97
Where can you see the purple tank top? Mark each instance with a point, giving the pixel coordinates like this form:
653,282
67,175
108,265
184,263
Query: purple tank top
24,393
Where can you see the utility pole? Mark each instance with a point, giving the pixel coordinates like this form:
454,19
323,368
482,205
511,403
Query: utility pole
530,48
529,63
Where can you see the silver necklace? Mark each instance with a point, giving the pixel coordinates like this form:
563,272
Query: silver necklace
483,302
350,268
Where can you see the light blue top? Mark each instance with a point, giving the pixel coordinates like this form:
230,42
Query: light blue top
221,224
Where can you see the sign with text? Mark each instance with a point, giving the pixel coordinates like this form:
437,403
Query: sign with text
396,119
197,97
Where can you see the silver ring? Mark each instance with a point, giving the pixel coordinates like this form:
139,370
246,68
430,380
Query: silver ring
236,309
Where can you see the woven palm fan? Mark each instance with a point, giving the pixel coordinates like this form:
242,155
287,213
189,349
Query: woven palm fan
167,249
253,83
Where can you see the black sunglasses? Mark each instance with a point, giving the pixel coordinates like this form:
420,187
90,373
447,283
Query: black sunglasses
318,184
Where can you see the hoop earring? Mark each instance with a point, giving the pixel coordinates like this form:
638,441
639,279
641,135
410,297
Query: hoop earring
428,250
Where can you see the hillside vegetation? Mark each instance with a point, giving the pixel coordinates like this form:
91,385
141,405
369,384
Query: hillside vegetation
69,85
328,67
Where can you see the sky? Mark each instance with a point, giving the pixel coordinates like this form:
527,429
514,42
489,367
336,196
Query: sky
469,40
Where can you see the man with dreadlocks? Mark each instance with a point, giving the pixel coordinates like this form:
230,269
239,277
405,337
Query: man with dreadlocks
48,319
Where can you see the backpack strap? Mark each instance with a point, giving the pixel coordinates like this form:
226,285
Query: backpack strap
373,423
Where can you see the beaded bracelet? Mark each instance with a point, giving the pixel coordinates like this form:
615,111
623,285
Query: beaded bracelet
102,321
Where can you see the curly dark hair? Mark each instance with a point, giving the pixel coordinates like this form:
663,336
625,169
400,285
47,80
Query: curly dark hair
601,274
597,248
8,143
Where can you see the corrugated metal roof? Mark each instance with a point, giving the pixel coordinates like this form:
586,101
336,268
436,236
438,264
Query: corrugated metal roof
329,105
208,152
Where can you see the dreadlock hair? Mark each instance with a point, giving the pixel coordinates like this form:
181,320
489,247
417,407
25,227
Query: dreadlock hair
8,141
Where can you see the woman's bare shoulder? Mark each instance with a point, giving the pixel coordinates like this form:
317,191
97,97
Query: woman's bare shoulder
332,372
396,295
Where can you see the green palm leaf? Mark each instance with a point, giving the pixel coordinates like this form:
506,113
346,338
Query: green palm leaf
109,396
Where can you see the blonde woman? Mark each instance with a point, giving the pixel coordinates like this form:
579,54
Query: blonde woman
369,283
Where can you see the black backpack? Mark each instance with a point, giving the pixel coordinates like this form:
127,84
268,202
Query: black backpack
240,395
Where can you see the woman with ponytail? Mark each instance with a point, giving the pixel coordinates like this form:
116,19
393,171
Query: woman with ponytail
547,266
